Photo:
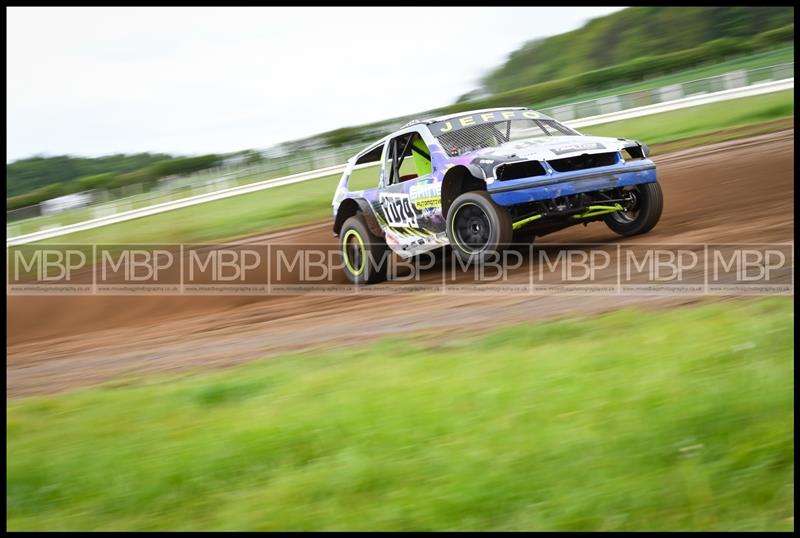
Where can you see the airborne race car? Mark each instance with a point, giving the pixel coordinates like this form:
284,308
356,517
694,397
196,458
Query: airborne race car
479,181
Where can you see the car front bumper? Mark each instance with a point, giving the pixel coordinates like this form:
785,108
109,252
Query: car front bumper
520,191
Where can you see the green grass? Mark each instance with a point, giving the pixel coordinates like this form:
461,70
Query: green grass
678,419
310,201
700,120
260,211
763,59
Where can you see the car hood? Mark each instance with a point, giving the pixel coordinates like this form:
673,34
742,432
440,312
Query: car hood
552,147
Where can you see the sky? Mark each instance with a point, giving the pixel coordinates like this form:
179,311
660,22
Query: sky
97,81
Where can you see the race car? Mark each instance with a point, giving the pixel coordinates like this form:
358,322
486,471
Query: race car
479,181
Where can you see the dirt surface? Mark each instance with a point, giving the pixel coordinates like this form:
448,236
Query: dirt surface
737,192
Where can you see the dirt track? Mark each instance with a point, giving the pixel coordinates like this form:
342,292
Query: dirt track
739,191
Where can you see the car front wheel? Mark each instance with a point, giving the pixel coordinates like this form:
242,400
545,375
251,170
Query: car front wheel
477,227
642,212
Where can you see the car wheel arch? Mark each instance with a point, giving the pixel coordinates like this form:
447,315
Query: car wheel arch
352,206
458,180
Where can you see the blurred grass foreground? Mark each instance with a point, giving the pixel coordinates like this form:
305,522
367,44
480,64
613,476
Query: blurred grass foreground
679,419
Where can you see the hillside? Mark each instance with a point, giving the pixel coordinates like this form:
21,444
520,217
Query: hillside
627,35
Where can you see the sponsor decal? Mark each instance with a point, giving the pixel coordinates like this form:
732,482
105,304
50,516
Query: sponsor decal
427,203
426,195
398,211
443,127
571,148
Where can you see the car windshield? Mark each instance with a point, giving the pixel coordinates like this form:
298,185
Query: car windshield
485,135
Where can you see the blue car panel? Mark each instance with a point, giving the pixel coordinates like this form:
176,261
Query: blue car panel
518,191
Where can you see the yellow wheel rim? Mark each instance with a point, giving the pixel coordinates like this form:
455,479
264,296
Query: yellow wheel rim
353,233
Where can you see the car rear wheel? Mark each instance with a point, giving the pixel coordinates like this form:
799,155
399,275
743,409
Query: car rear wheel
642,213
365,257
477,227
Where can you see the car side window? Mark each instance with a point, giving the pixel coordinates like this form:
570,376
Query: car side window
367,170
407,158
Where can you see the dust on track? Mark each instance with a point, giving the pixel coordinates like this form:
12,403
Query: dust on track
740,191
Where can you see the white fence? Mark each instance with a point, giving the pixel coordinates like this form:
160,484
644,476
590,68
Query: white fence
696,99
686,102
670,93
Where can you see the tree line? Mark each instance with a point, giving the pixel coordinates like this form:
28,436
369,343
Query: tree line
633,33
33,180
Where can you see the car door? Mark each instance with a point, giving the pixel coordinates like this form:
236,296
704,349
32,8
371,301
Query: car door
407,196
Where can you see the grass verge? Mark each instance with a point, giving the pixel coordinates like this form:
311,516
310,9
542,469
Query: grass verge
723,135
700,120
679,419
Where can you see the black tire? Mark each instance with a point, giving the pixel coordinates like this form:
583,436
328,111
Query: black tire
645,214
365,257
477,227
